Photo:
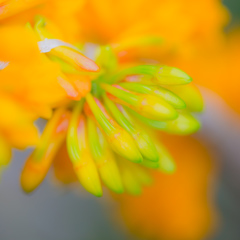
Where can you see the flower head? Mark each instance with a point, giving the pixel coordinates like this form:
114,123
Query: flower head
107,126
101,109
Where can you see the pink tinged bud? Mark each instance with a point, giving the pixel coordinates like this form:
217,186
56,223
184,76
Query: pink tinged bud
64,51
161,92
70,90
120,140
104,158
39,162
147,105
79,153
161,74
143,141
171,76
75,58
184,124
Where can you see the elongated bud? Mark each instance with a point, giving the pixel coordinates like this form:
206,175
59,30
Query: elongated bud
190,95
63,167
161,92
120,140
131,184
106,58
150,164
142,79
122,121
185,123
69,88
67,53
104,158
147,105
80,155
146,146
162,74
87,174
72,136
75,58
144,142
142,175
39,162
171,76
123,144
166,162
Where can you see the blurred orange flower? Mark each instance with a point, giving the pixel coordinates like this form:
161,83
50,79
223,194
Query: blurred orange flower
176,206
30,84
16,117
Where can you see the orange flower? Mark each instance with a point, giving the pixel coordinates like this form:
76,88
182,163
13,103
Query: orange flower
102,119
16,118
177,22
25,88
9,8
30,84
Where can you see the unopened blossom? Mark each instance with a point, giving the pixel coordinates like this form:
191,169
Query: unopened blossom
100,107
102,125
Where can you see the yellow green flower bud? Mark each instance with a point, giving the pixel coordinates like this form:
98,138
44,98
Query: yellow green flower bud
164,75
39,162
79,153
142,175
166,162
104,158
183,125
131,184
144,142
190,95
161,92
120,140
150,106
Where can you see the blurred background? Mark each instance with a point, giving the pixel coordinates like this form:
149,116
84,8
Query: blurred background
55,213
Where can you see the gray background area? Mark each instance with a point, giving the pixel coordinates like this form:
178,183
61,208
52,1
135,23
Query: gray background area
55,214
51,213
